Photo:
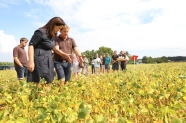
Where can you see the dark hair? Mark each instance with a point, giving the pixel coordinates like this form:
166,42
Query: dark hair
55,21
23,39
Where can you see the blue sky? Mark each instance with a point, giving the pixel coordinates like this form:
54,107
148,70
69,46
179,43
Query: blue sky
142,27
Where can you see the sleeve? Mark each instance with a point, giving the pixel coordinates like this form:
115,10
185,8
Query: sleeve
15,52
56,41
36,38
73,43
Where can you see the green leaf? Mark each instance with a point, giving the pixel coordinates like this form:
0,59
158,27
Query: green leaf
81,106
121,120
20,120
83,112
150,106
99,119
81,115
177,120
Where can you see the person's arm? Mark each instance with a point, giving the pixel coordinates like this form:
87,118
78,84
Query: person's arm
127,59
109,60
17,61
15,56
61,53
78,54
113,61
36,38
31,64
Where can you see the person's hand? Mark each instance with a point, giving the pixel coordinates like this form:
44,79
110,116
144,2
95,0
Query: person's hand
69,58
82,64
31,66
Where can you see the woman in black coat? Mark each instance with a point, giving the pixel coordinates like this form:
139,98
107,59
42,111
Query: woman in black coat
40,63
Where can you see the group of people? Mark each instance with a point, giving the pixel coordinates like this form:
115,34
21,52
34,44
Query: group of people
77,69
49,52
102,63
46,51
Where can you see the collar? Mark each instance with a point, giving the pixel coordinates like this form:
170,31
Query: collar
21,47
62,38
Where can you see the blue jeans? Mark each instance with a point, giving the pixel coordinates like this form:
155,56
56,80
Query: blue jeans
63,70
107,66
21,72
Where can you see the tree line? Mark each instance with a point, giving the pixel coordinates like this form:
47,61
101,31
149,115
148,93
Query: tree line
6,64
147,60
103,50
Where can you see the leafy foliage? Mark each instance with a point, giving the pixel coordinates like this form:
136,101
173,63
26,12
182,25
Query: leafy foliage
154,93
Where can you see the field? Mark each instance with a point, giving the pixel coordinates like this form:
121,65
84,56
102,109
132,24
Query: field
153,93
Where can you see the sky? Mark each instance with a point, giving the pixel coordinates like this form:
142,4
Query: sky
153,28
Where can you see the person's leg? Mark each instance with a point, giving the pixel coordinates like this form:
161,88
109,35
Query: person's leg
117,66
99,70
95,69
60,71
92,68
17,71
20,73
125,66
103,68
122,67
67,71
113,66
25,72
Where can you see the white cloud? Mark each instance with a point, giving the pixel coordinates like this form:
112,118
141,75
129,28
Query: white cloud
138,26
7,42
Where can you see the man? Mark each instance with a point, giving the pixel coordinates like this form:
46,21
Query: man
115,65
103,63
64,45
124,61
97,63
20,59
107,62
92,65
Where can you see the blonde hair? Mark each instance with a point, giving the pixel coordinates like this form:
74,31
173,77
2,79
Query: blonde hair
65,27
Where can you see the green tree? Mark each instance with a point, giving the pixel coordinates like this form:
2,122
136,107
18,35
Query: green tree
150,60
102,50
164,59
159,60
144,59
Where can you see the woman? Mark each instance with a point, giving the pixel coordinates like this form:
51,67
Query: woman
85,68
40,63
76,68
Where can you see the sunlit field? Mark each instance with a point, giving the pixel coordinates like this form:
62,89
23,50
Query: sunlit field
152,93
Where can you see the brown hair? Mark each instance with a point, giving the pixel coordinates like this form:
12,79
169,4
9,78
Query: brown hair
23,39
55,21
